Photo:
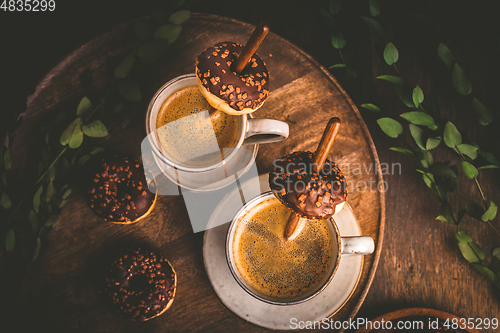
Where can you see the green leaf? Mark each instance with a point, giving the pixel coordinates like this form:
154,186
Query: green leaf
482,111
445,54
375,28
468,252
404,95
374,8
428,179
63,203
452,136
441,218
479,252
125,67
170,32
52,221
488,167
338,40
418,97
418,135
66,194
129,90
335,7
36,251
469,170
474,210
10,240
393,79
463,237
391,54
468,150
84,107
486,272
36,199
418,118
73,135
432,143
447,212
180,17
152,50
489,157
439,192
425,158
442,170
95,129
97,150
490,213
143,30
327,17
33,219
84,159
403,151
496,253
460,81
50,192
5,201
370,107
390,127
7,159
337,66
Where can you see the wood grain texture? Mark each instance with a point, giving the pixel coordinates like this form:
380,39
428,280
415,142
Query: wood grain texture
414,314
61,288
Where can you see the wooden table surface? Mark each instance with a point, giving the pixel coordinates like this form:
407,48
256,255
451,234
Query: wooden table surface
420,265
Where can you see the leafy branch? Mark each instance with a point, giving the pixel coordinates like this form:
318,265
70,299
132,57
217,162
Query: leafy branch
70,143
428,130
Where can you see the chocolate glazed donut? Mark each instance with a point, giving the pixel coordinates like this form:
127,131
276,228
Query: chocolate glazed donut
141,284
229,91
311,195
119,191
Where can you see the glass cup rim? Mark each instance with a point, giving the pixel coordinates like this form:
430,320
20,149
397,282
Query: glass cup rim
155,145
229,253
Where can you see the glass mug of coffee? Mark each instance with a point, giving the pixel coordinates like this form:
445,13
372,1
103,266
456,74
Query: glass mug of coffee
185,137
282,272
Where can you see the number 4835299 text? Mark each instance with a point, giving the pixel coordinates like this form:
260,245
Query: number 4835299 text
28,5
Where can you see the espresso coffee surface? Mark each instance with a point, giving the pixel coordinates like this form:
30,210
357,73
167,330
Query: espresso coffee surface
276,267
188,135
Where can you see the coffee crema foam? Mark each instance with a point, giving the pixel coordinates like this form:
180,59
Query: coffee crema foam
191,140
276,267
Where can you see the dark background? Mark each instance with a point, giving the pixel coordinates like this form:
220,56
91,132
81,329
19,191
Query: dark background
32,43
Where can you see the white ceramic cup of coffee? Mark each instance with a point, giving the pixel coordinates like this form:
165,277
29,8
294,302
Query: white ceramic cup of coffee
251,131
343,246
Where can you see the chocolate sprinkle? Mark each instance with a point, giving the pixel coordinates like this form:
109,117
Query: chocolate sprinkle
248,89
116,193
307,193
140,284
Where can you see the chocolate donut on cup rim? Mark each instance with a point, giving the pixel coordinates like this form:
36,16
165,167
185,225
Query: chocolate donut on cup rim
234,93
141,284
309,194
119,192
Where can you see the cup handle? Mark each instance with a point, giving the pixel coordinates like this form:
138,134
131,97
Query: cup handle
352,246
265,131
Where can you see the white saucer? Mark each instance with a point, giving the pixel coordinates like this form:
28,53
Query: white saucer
267,315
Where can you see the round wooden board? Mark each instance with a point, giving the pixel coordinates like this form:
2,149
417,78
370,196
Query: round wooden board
60,290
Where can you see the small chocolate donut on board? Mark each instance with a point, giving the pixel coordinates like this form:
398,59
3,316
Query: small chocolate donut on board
141,284
231,92
118,190
309,194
